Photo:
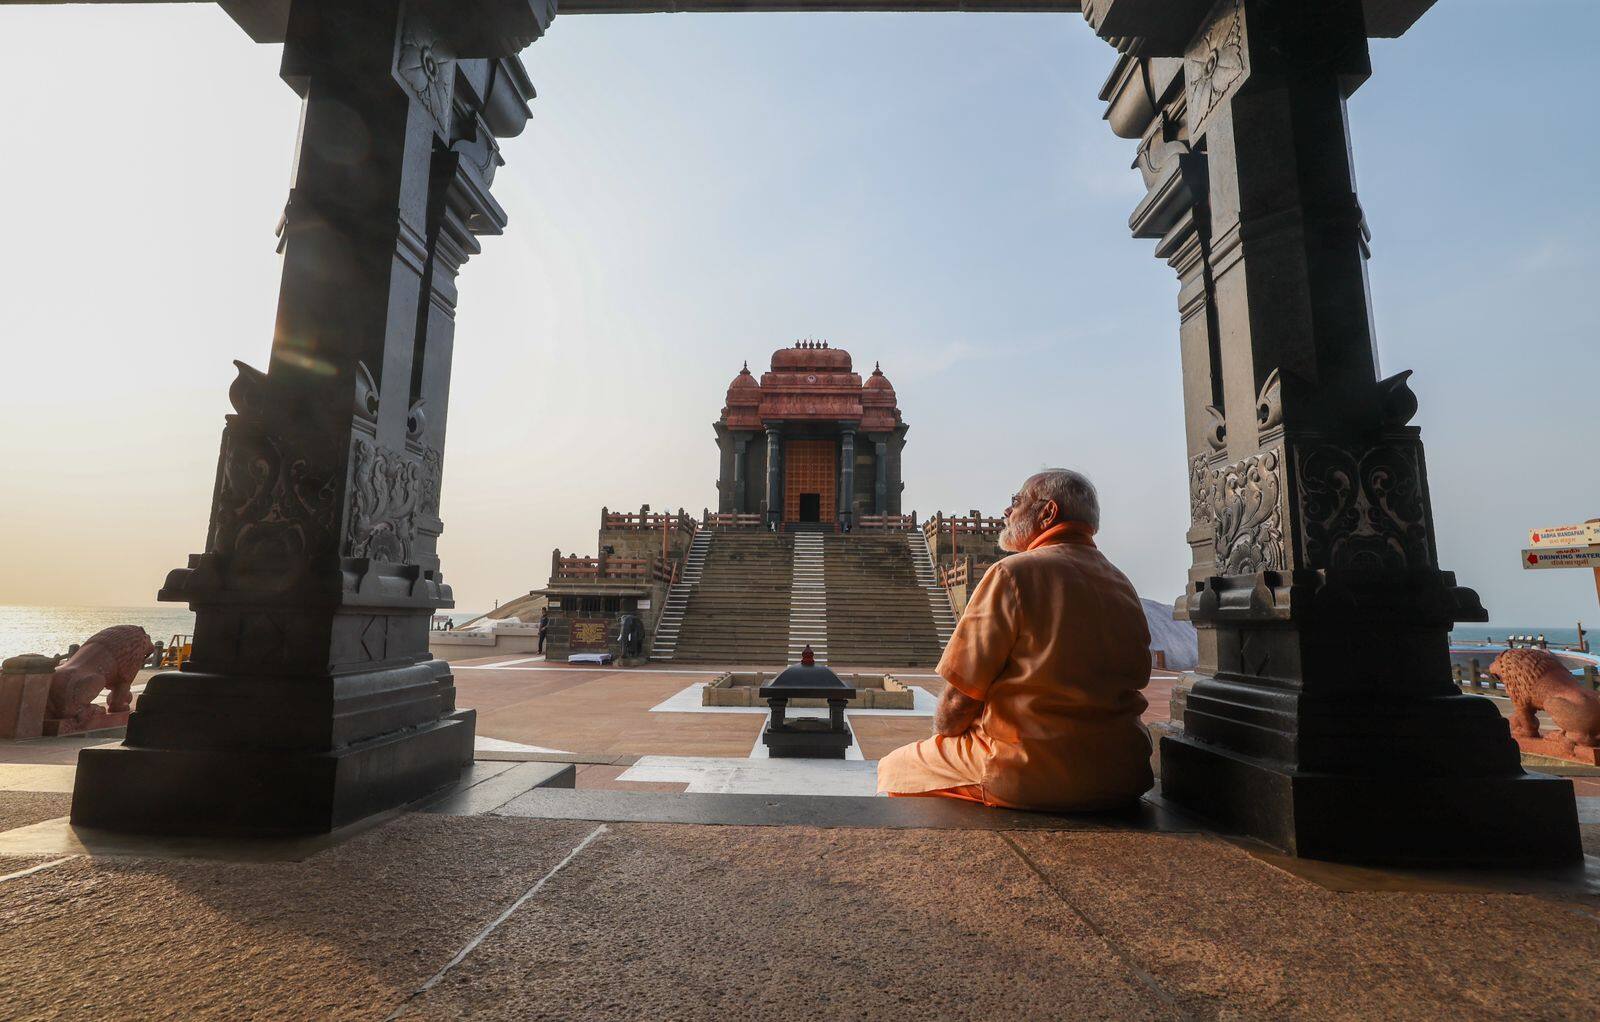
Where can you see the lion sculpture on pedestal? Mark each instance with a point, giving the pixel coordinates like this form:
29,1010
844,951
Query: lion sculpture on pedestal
110,659
1536,680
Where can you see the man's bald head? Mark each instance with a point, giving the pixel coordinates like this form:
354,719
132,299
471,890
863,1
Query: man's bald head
1049,498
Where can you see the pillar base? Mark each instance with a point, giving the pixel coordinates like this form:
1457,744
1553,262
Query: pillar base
239,793
1397,818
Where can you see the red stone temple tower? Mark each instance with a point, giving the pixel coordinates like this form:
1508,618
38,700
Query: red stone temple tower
810,443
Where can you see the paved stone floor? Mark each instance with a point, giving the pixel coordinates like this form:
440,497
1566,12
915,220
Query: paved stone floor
566,905
506,917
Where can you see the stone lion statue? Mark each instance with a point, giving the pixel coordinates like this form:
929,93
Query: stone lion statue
109,660
1535,680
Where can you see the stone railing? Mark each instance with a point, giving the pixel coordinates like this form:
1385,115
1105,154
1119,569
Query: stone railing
972,522
959,575
644,520
606,568
732,520
1472,677
887,523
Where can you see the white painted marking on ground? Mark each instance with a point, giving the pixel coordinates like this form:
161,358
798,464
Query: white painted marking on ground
501,663
484,744
612,669
51,777
37,869
758,776
688,701
483,935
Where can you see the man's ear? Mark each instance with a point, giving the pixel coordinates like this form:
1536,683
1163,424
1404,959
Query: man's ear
1052,514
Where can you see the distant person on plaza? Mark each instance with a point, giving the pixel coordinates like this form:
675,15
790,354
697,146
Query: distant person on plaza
1041,704
544,627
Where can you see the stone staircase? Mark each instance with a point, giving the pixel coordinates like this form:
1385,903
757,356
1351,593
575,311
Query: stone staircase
881,609
738,609
808,609
670,624
944,615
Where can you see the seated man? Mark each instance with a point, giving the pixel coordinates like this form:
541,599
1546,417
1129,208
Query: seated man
1041,704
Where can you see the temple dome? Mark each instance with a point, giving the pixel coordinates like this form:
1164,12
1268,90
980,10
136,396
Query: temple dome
815,356
744,381
744,389
878,381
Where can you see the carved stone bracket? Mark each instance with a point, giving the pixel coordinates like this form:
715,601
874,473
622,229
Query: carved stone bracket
1363,507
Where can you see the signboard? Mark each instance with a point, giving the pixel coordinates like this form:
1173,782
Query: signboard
1587,534
1562,557
644,604
589,635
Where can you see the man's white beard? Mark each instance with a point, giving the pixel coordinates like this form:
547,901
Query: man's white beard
1016,535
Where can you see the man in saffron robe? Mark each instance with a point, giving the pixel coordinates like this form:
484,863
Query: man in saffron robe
1042,702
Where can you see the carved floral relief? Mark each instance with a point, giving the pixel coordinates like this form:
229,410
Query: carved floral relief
1216,61
387,493
270,505
1363,508
1202,487
428,72
1247,502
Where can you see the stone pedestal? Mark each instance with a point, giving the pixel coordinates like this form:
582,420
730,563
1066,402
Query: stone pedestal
311,699
24,693
100,721
1560,748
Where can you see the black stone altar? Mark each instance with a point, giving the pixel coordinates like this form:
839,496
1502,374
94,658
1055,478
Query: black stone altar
807,737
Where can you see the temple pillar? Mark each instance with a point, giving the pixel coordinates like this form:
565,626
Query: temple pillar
1324,720
880,486
847,477
740,445
311,698
774,475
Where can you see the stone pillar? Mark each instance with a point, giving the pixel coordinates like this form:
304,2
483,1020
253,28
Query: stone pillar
1325,721
847,476
880,486
741,443
311,698
774,475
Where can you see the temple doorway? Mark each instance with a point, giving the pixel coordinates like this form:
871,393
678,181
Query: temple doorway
810,507
809,482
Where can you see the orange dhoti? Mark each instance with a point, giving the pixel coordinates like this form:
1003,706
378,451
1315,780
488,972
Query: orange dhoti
1055,645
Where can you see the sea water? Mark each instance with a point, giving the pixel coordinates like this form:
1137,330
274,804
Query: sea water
50,630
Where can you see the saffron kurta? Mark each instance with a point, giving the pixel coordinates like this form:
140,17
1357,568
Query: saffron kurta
1055,645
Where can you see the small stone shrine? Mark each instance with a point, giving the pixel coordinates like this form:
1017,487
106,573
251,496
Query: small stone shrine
807,737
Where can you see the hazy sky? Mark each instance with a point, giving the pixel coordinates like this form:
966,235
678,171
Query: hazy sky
935,191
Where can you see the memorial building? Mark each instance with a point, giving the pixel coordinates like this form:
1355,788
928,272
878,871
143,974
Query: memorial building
810,443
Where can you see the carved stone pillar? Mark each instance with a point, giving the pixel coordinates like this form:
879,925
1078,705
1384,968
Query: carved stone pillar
880,486
774,475
847,476
741,444
1324,720
311,698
